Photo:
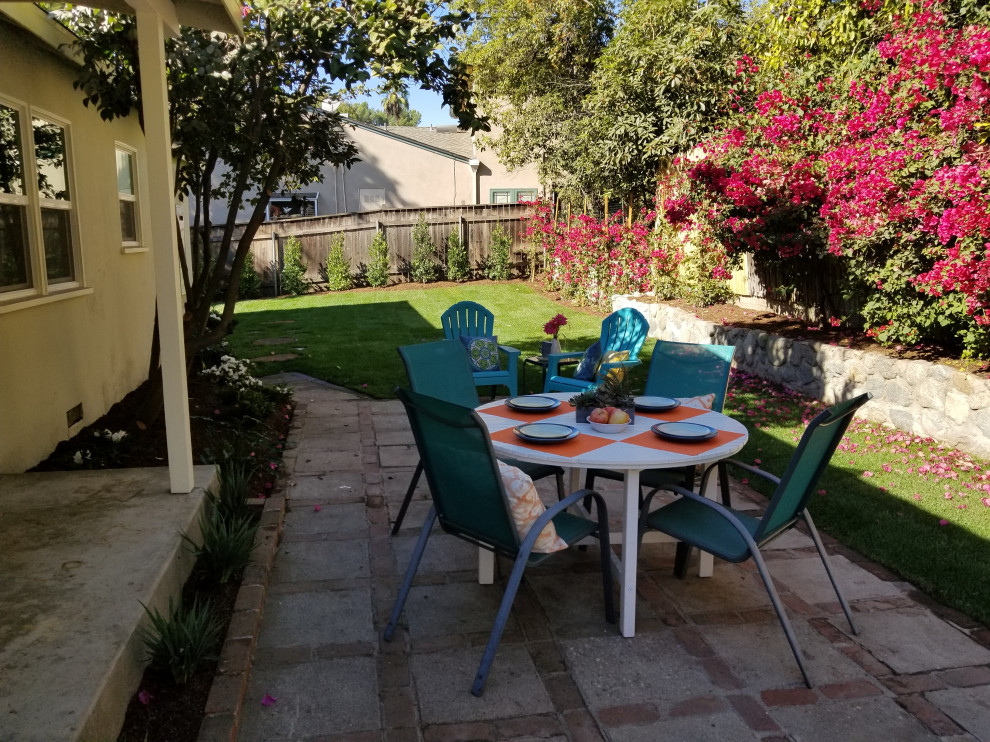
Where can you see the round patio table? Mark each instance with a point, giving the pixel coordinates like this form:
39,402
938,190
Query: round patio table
631,451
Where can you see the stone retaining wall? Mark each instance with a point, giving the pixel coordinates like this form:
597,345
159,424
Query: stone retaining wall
914,396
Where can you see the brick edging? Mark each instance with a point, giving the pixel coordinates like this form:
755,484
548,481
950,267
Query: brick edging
221,717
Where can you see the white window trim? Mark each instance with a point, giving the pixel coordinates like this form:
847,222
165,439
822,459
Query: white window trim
42,292
131,246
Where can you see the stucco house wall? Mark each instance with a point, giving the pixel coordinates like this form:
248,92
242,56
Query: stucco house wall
410,167
90,344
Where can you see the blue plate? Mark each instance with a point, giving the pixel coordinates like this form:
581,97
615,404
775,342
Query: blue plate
656,404
545,432
684,431
532,403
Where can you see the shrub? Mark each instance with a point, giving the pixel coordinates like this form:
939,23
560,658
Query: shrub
338,266
182,640
293,269
498,266
233,487
378,267
458,265
424,267
249,286
228,543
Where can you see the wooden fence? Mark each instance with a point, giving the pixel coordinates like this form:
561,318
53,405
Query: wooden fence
474,225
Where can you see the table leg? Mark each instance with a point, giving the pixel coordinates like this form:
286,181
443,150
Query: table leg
486,566
630,555
706,562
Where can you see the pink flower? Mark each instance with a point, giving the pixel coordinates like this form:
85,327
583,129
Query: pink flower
145,697
317,508
943,522
268,700
985,501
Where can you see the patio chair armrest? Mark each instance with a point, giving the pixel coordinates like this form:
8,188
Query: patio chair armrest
554,359
509,350
559,507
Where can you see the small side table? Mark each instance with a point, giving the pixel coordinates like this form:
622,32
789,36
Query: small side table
542,362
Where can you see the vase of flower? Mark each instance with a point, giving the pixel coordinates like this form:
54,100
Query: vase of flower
552,328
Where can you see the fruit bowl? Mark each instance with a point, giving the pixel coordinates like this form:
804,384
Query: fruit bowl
609,427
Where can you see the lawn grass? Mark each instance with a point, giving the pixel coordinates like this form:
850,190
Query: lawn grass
350,338
906,502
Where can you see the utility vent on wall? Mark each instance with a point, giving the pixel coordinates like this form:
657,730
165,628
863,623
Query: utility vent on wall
74,415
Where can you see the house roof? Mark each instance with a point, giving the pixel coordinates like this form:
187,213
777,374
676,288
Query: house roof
448,141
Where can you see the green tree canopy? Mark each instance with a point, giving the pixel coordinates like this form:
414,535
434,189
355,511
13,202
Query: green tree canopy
245,112
366,114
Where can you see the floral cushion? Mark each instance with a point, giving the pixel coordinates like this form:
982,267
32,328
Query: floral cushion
589,363
703,402
482,353
526,508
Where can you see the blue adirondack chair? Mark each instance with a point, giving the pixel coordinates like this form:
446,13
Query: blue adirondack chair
470,319
623,330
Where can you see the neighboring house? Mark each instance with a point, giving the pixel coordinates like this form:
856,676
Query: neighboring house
87,238
405,167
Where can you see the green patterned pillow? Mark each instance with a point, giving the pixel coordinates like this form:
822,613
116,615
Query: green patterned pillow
482,353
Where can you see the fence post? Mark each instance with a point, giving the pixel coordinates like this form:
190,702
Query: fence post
276,259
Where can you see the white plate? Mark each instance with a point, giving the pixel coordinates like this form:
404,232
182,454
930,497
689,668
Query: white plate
656,404
545,432
532,403
684,431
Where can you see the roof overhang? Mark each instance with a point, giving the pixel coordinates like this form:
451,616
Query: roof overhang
210,15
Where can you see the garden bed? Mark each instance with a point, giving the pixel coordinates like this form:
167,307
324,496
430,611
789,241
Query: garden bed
161,711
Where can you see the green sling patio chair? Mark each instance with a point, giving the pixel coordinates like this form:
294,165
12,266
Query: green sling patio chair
470,502
441,369
468,319
623,332
682,370
735,536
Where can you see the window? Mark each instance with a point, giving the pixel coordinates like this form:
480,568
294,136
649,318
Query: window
511,195
37,248
288,205
127,196
371,199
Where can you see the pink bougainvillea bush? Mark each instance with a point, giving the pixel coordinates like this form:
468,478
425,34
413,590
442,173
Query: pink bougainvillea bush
590,260
881,173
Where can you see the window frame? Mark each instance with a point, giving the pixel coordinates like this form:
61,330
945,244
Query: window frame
513,194
137,244
41,289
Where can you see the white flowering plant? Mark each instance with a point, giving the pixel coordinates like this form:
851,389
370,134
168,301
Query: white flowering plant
106,450
233,373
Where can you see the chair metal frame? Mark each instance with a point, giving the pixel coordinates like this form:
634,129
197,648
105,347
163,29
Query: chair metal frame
685,517
498,535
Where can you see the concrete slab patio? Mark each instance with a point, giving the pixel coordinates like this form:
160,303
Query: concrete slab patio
75,566
709,661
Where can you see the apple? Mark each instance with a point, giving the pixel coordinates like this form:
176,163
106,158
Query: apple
619,417
598,415
610,410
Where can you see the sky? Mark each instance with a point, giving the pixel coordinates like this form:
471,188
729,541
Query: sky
428,103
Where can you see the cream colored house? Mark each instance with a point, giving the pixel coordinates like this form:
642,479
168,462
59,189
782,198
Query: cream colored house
87,237
405,167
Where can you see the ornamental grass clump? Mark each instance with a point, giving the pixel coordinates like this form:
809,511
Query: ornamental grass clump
182,640
227,544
